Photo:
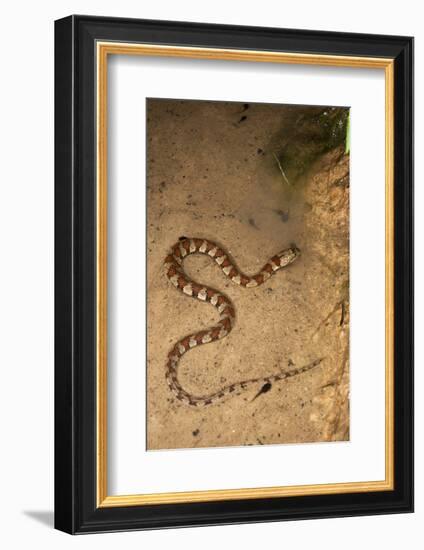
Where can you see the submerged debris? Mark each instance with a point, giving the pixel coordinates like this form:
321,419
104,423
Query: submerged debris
280,166
283,214
253,223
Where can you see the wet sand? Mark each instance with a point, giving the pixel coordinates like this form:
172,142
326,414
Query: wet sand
212,173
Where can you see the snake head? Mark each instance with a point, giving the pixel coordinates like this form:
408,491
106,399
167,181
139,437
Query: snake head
289,255
295,250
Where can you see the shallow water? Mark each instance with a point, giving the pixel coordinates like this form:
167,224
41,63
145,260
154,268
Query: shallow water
213,173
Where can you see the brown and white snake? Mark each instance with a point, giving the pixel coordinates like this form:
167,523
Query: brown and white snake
176,274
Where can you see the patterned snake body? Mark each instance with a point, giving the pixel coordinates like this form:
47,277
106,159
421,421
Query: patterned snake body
177,276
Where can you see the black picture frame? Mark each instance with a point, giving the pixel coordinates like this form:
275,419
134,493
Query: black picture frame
76,509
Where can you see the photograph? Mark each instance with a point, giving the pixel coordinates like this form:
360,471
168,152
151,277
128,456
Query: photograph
257,195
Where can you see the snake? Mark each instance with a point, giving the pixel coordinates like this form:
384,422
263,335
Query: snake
174,270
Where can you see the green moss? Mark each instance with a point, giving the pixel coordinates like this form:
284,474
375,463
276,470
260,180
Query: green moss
312,133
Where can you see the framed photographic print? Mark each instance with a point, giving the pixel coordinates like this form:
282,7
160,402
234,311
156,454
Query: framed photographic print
234,271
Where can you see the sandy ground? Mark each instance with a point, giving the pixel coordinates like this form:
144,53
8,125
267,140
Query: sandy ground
212,174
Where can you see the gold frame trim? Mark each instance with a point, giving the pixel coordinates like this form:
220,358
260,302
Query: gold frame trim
103,50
